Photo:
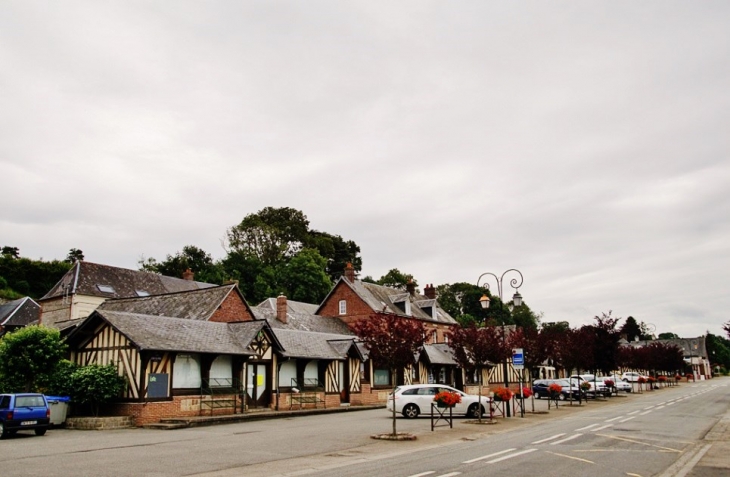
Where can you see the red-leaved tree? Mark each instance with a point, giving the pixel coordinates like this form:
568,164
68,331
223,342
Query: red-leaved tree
392,342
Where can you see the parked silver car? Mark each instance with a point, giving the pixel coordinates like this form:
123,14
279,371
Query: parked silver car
414,399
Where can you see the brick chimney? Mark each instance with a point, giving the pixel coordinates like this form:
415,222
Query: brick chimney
350,272
281,309
430,292
188,275
411,287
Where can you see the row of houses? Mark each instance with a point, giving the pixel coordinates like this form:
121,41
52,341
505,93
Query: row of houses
189,348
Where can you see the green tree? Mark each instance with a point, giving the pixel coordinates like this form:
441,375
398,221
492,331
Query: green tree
304,278
60,383
29,358
96,384
31,277
718,350
668,336
272,234
337,251
256,280
10,252
191,257
74,255
631,329
396,279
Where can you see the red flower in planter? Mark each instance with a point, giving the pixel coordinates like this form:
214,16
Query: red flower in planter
641,380
651,379
502,394
662,379
447,398
678,377
555,389
609,383
526,392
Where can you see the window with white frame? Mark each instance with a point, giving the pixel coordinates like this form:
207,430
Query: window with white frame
343,307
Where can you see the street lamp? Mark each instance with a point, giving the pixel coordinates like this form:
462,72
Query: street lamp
516,300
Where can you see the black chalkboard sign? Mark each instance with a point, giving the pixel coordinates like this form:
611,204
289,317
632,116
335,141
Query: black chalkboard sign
157,385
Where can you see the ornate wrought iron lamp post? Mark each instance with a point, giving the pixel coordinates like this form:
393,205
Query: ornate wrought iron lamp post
516,300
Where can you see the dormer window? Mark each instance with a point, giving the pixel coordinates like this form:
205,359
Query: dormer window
106,288
142,292
343,307
434,336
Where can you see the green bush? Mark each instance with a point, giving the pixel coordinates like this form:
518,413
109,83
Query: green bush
95,385
29,358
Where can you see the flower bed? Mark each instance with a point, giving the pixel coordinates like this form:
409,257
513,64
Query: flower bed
447,399
502,394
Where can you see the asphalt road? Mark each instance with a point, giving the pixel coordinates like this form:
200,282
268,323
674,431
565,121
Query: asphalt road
656,433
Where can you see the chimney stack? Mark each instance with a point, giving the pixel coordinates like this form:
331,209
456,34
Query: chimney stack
350,272
281,309
430,292
411,287
188,275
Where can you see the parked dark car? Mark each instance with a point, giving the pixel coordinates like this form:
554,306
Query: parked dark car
540,388
25,411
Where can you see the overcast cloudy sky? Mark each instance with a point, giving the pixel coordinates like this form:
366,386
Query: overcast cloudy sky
584,143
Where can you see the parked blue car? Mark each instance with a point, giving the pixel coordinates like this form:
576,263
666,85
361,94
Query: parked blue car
24,411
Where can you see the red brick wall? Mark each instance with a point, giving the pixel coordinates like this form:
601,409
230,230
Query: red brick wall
232,309
356,307
150,412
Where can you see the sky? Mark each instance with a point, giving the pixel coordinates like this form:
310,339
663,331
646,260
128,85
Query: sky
585,144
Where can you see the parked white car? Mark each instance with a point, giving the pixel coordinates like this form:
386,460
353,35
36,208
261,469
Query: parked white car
597,386
617,383
414,399
632,377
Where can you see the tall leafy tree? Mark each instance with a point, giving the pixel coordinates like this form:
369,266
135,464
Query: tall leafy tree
10,252
396,279
631,329
271,235
337,251
74,255
31,277
29,357
392,342
668,336
191,257
304,278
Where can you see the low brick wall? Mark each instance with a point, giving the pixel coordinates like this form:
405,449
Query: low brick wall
100,423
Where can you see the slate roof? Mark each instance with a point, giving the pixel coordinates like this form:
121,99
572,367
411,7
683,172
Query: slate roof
694,347
20,312
439,353
84,278
160,333
306,344
384,299
190,305
292,306
303,322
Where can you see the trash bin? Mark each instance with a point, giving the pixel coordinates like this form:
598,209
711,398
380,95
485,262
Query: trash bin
59,407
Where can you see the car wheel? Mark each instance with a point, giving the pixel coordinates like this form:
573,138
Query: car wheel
537,395
626,380
2,429
561,396
411,411
41,431
473,412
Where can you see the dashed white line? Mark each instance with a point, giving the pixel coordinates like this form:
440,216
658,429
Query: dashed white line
423,473
650,407
660,407
601,428
549,438
627,419
587,427
500,459
634,412
614,419
575,436
488,456
644,413
452,474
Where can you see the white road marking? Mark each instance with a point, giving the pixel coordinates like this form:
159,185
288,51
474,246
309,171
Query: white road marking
571,457
500,459
644,413
628,419
633,412
670,403
587,427
648,407
488,456
601,428
566,439
423,473
452,474
660,407
549,438
614,419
